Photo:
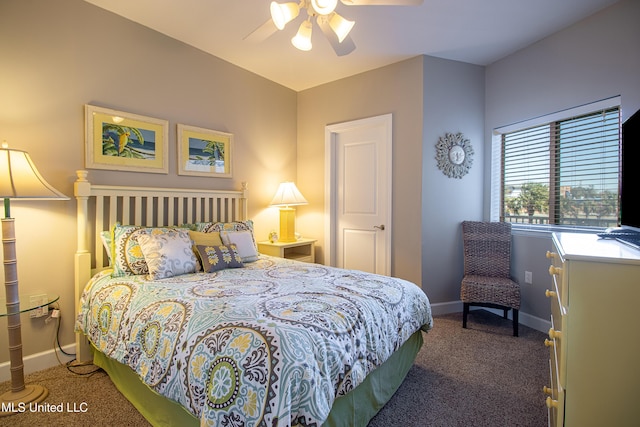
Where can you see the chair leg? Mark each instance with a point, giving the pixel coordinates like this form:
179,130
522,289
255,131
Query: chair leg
465,312
506,311
515,322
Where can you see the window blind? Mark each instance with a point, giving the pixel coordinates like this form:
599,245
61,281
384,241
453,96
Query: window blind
563,172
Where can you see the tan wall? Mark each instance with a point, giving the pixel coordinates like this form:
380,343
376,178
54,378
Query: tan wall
395,89
57,56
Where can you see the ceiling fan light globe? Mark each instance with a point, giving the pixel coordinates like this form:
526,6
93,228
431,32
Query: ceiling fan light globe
283,13
324,7
302,40
340,26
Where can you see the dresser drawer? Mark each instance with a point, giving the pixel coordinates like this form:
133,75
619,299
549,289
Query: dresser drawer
555,393
557,271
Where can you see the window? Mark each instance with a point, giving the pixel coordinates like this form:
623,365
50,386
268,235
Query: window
563,172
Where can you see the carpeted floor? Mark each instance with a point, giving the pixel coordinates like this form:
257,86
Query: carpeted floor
481,376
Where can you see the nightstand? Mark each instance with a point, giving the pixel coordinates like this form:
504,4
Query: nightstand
300,250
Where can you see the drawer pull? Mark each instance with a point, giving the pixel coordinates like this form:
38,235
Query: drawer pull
551,403
548,343
547,390
555,270
551,255
550,294
553,334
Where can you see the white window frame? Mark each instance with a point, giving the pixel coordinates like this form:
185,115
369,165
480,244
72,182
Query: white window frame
496,152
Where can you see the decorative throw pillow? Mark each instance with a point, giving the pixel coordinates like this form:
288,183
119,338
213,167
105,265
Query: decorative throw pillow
244,242
208,239
168,254
126,255
210,227
216,258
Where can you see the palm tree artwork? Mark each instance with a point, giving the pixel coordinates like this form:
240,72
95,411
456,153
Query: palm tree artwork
125,141
207,153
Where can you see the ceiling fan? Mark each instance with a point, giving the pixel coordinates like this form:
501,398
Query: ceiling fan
335,28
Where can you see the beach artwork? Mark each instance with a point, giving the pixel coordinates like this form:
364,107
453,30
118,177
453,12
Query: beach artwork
204,152
116,140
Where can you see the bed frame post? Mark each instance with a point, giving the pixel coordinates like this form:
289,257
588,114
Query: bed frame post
243,200
82,191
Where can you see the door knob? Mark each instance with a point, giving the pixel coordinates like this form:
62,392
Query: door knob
379,227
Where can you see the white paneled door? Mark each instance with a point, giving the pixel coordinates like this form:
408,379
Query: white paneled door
359,187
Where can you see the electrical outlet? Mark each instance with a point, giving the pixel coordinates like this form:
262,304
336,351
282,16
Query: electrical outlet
55,314
36,300
528,277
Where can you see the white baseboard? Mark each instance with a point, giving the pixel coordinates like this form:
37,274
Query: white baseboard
526,319
39,361
446,307
533,322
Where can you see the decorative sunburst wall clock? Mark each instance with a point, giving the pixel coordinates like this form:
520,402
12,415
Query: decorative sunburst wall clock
454,155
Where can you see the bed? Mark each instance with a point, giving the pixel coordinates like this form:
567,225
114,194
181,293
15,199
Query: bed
237,338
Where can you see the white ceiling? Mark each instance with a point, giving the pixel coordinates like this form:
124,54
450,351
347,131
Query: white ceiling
473,31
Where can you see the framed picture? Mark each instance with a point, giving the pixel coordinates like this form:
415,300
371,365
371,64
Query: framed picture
116,140
204,152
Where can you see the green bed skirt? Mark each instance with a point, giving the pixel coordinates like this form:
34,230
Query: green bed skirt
354,409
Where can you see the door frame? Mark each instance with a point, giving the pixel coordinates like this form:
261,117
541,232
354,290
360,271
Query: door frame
330,202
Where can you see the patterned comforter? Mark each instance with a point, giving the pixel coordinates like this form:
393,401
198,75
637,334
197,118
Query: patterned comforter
273,343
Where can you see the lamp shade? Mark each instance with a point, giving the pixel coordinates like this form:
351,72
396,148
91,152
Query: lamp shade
340,26
288,195
283,13
20,179
302,40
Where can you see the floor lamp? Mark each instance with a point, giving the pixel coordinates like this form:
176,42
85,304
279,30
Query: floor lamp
19,180
288,195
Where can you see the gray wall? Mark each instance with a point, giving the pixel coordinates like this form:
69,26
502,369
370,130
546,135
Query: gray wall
453,102
595,59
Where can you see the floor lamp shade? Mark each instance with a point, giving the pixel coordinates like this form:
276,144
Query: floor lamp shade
19,180
288,195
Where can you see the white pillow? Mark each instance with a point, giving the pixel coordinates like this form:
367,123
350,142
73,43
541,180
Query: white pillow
244,243
168,254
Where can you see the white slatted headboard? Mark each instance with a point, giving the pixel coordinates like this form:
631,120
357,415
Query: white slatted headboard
101,206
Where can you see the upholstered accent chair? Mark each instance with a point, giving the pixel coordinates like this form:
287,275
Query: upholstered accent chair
487,261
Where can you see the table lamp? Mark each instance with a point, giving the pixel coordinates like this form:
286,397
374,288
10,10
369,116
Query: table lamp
20,180
288,195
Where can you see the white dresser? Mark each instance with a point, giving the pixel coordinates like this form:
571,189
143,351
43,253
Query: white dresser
594,340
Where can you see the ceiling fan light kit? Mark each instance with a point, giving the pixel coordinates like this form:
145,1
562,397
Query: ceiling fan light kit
333,26
282,13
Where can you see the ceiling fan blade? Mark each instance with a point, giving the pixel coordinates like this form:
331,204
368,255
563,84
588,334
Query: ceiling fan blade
346,47
262,33
382,2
